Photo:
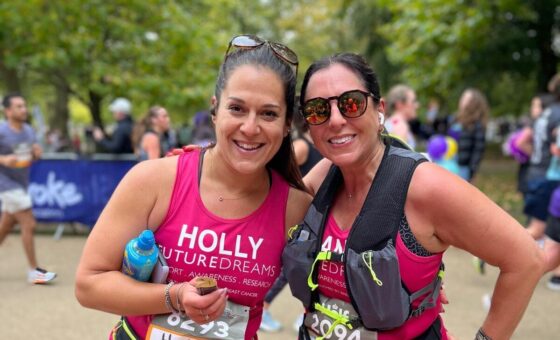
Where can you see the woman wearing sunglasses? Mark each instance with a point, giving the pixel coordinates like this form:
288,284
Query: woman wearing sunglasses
218,213
340,100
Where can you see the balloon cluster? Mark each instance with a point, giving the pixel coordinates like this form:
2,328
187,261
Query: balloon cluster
442,151
510,148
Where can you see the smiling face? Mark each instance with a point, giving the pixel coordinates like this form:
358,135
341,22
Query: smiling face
345,141
250,119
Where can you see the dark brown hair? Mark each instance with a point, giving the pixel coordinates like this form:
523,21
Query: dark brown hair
284,161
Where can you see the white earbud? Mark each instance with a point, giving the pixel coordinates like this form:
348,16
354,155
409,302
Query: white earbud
381,117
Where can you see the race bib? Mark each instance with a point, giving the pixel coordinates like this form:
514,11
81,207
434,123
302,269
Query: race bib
319,323
230,326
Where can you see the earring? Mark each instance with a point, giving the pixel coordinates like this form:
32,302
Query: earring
381,117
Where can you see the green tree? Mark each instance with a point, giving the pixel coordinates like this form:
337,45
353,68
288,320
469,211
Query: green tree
444,46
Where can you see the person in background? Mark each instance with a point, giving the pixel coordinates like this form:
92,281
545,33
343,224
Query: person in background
471,122
18,148
184,134
539,188
226,209
525,140
306,153
203,131
307,157
425,129
149,135
341,100
120,142
552,230
401,109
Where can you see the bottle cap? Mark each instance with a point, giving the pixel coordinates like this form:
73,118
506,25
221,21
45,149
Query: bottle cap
146,240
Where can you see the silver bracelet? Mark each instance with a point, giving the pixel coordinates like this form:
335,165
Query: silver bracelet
480,335
168,303
179,290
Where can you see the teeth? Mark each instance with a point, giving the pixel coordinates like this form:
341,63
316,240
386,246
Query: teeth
341,140
248,146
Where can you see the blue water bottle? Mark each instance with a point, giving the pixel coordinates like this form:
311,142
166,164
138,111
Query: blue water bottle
140,256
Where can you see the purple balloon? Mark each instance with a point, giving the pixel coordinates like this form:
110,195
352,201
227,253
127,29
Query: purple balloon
514,151
437,145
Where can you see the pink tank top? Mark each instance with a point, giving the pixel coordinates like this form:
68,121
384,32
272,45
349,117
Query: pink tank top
243,255
416,272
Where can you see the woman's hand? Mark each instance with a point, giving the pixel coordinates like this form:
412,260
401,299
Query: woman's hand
184,149
201,309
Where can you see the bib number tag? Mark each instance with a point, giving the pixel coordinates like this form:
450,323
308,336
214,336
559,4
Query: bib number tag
319,323
230,326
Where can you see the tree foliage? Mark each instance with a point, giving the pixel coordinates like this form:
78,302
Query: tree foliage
442,47
168,52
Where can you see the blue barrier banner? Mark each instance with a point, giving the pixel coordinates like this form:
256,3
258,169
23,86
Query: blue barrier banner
74,190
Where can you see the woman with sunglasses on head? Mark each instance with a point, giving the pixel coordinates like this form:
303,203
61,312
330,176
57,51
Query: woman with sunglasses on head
379,206
219,213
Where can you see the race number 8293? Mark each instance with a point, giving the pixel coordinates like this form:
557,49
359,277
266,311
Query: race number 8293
219,329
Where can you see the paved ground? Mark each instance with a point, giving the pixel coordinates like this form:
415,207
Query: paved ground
51,312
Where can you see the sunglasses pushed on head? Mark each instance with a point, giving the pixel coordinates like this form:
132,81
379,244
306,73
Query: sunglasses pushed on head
249,41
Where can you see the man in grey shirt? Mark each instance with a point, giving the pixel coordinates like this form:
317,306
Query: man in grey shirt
18,148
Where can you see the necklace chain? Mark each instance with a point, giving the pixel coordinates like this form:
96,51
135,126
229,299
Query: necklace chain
222,198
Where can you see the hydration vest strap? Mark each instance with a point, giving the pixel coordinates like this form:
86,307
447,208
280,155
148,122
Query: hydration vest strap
321,256
430,300
337,318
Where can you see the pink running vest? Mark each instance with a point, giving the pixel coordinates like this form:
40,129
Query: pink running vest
243,255
416,272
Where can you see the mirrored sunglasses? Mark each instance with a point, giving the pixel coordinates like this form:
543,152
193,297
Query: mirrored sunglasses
351,104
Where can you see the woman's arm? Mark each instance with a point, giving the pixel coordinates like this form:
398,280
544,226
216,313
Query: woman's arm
135,205
316,175
141,200
298,203
443,210
301,151
151,144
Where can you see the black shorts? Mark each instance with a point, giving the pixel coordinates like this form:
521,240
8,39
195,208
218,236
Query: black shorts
537,197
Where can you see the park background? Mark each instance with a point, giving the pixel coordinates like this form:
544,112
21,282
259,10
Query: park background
72,58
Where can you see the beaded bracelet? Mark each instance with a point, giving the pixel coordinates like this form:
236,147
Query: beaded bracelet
480,335
168,303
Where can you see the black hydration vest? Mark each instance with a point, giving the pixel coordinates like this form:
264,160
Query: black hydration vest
371,267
